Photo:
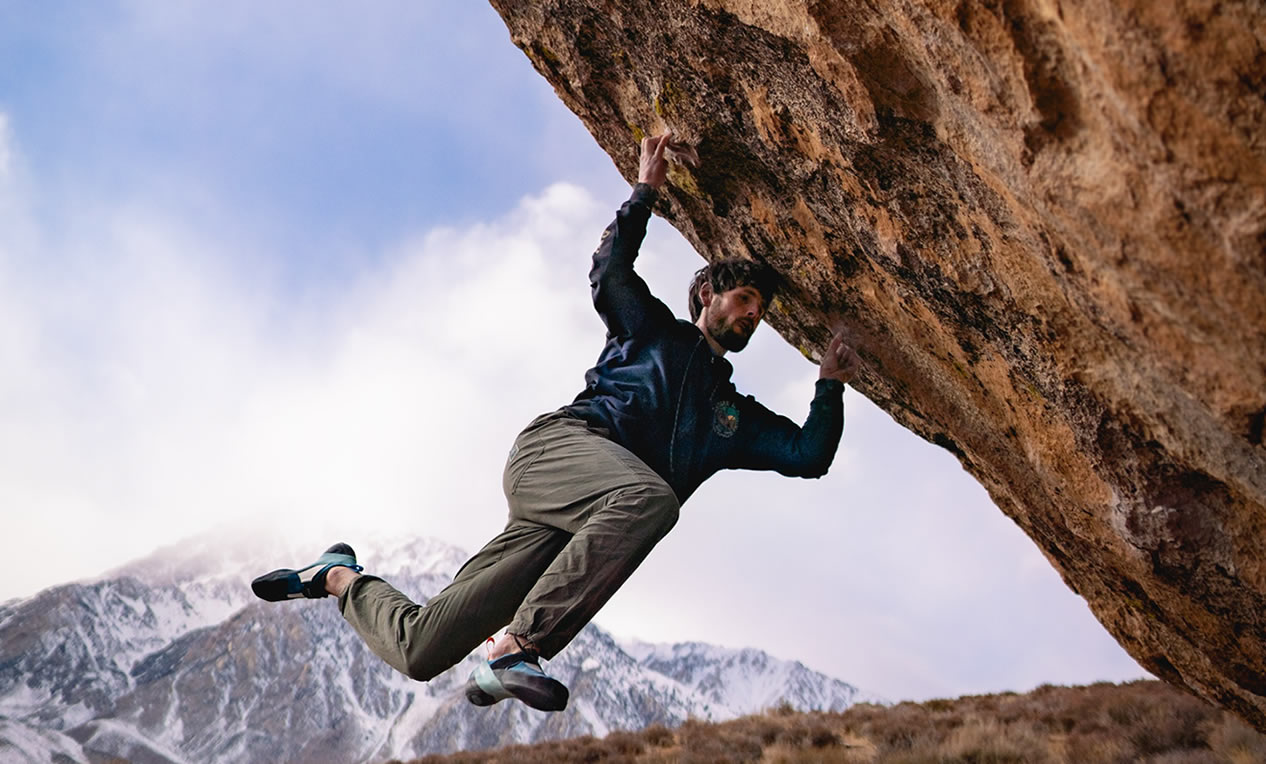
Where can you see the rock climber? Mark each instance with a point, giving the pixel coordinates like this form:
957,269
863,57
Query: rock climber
593,486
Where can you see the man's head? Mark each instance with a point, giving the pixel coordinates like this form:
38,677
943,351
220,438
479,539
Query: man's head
731,295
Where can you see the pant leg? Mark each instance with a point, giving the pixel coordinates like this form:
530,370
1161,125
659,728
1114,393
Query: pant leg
584,513
422,641
615,508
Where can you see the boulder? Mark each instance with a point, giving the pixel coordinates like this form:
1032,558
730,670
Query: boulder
1042,222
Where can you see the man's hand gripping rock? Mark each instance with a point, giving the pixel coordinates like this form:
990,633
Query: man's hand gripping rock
840,362
656,151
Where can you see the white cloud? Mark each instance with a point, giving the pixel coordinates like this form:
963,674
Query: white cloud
157,394
157,386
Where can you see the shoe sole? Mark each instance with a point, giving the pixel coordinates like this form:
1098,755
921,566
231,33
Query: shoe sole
278,586
540,693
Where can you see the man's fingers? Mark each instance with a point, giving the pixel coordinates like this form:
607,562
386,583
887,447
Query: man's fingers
853,362
661,145
837,345
683,153
841,356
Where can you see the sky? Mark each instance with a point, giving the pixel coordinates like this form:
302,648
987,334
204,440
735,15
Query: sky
289,264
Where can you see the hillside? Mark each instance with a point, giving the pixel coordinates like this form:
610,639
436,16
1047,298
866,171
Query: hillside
1144,721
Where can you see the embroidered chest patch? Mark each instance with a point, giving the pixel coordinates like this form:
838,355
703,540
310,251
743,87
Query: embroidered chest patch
725,419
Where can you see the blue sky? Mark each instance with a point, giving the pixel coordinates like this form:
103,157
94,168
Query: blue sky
268,264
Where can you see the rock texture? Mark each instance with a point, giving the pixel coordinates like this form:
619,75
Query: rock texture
1044,223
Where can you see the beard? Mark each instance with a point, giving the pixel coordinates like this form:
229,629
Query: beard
731,335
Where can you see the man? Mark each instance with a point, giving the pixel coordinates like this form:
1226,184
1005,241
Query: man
593,486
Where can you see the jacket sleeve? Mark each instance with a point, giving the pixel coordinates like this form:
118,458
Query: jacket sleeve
621,297
774,442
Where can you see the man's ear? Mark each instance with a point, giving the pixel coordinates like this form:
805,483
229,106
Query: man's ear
705,293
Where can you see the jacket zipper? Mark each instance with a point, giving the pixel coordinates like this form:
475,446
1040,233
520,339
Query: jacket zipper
681,395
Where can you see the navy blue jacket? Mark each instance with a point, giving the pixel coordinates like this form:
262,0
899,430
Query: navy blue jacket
659,391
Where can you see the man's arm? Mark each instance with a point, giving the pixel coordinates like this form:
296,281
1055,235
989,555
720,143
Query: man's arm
808,450
621,297
777,443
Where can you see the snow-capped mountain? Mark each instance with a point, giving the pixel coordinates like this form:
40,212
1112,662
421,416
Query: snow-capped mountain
171,659
745,680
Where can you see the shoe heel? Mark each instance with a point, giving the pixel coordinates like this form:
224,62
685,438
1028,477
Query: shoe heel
477,696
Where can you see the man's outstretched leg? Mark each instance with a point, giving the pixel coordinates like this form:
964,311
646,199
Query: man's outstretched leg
420,640
425,640
584,513
612,508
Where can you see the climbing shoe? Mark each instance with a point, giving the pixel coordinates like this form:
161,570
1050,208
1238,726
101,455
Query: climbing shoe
287,584
518,676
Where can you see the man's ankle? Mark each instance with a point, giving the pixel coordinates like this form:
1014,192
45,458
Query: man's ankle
338,578
509,643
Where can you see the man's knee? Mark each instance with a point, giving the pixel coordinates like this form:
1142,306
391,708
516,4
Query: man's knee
427,655
660,507
421,667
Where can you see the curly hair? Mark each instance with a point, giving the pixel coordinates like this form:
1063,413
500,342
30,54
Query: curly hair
731,273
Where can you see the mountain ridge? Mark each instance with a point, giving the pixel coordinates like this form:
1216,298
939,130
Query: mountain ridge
170,659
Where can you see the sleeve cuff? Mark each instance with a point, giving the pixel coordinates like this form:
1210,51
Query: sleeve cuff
644,193
825,386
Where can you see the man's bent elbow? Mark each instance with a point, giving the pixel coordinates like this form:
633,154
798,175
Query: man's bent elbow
816,468
809,469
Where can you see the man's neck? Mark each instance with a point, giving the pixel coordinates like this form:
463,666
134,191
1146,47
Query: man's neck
717,350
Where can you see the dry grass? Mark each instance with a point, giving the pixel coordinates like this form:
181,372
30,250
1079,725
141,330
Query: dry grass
1104,723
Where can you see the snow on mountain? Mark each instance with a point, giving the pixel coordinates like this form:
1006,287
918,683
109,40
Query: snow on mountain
171,659
746,681
22,743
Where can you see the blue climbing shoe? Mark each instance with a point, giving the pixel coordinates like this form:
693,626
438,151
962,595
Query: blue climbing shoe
287,584
518,676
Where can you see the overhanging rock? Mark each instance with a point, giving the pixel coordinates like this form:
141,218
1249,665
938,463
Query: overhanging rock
1044,222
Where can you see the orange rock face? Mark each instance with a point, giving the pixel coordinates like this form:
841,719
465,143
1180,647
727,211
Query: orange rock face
1044,222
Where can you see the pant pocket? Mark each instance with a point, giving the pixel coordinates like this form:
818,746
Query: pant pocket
517,465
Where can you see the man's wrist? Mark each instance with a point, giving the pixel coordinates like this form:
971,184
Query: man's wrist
828,384
645,193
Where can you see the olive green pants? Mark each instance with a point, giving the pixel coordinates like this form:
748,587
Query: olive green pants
584,513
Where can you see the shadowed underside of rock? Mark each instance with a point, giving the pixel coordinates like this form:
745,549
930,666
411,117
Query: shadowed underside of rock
1044,224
